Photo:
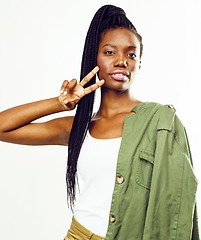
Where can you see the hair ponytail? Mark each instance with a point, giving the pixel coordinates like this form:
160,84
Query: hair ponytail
107,17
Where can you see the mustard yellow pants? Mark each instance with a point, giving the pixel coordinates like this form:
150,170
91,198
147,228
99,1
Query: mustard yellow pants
79,232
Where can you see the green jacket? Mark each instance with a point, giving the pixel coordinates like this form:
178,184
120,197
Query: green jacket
155,188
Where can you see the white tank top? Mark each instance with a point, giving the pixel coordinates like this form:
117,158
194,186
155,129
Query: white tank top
96,177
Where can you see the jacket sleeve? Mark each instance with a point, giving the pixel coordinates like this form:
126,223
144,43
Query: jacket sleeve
195,231
171,211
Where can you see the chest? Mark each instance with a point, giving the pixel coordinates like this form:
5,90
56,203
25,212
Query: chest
106,128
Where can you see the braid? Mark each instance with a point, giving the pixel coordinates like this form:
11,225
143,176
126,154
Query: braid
107,17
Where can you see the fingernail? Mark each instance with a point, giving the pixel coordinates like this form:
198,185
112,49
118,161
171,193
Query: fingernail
65,92
96,68
61,91
100,83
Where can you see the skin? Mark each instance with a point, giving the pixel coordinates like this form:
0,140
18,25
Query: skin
119,49
16,123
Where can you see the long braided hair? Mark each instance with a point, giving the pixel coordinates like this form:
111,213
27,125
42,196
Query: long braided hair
107,17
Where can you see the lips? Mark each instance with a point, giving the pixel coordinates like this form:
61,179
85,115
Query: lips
120,75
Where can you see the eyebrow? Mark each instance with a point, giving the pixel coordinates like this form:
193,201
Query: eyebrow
114,46
132,47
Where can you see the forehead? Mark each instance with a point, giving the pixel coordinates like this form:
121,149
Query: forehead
119,37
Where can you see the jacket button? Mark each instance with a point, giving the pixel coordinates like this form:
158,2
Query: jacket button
171,106
120,179
112,219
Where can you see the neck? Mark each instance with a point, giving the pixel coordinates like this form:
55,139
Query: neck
115,102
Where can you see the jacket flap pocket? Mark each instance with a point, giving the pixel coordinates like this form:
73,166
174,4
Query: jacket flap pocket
144,168
146,155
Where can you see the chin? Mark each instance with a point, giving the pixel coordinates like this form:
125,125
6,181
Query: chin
118,86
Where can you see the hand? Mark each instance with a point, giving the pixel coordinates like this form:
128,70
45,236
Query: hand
71,92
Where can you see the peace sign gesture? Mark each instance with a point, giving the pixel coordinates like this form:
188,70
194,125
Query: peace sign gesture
71,92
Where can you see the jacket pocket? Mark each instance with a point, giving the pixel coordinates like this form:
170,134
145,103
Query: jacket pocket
144,168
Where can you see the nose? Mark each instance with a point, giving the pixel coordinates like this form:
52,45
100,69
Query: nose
121,62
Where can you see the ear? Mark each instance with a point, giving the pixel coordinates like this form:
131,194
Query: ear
140,64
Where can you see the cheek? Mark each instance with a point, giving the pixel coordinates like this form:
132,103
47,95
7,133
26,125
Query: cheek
134,67
100,62
102,65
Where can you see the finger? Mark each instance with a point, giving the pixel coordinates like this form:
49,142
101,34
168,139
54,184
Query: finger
71,84
63,87
89,76
94,87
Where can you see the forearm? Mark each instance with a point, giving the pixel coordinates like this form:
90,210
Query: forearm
21,115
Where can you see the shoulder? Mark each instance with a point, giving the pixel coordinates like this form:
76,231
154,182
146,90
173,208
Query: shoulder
164,114
169,121
153,107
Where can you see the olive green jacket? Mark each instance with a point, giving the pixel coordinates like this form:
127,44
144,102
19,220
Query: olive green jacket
154,196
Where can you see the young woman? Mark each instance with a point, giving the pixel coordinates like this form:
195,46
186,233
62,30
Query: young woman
132,157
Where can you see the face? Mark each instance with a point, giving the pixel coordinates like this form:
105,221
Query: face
118,58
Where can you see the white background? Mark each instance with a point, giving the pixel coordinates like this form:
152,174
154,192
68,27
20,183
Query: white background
41,45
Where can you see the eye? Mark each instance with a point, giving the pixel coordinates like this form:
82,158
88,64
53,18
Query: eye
108,52
132,55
